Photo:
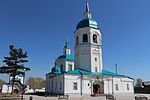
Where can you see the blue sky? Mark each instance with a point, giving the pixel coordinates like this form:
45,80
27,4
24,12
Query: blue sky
40,27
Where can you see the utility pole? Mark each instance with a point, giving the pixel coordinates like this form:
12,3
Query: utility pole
116,68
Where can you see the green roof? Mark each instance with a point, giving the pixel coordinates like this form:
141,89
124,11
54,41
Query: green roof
104,72
86,23
78,71
20,75
56,70
67,57
16,79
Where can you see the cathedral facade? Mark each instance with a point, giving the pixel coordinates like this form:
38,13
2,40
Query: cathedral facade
83,73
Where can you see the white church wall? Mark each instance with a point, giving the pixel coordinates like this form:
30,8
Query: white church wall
82,52
55,85
108,85
48,84
69,81
86,87
96,59
83,61
122,85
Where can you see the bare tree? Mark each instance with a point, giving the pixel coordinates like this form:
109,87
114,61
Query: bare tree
138,83
35,83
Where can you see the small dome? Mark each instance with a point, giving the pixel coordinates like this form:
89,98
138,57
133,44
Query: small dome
87,22
66,57
56,70
67,46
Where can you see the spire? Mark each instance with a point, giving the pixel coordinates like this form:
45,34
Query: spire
87,13
66,41
87,6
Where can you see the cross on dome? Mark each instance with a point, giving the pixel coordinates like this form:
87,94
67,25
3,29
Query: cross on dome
87,13
87,6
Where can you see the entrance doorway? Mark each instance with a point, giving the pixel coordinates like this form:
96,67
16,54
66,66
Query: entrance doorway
98,88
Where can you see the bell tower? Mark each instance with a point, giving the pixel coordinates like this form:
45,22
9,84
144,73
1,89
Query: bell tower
88,46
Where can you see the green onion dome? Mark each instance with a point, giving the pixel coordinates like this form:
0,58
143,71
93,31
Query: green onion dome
66,57
56,70
87,22
67,46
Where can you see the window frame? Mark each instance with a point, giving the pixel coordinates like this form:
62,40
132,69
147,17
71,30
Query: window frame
94,38
128,86
75,86
77,40
84,38
117,87
69,67
56,86
61,67
60,85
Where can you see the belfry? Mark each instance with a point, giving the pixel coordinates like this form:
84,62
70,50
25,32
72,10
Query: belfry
88,50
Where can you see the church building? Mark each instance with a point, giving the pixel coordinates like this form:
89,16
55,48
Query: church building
83,73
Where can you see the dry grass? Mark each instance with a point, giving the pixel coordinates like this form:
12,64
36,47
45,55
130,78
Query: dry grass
8,95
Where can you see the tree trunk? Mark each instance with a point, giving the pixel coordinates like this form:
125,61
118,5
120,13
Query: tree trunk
13,85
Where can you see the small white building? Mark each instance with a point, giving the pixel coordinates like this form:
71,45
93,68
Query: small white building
84,74
18,85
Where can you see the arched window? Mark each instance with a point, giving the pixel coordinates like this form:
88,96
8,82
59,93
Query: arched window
61,68
85,38
95,38
77,40
69,67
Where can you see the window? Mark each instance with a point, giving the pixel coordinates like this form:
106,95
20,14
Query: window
96,69
117,87
77,40
75,86
95,59
85,38
60,85
127,86
95,38
61,68
69,67
56,86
